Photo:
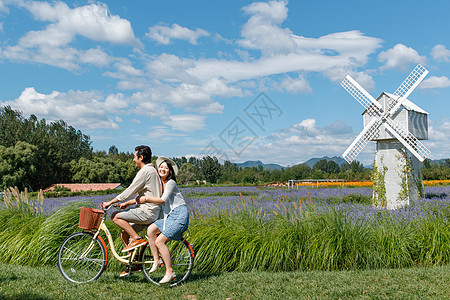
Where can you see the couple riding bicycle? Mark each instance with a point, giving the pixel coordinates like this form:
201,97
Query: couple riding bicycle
157,192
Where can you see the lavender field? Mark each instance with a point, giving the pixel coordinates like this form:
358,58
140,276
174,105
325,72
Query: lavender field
354,201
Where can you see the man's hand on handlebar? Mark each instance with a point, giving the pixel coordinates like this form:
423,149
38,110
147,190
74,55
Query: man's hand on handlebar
123,205
107,204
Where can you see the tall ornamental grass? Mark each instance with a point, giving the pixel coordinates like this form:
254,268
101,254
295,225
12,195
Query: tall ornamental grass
265,230
247,241
33,239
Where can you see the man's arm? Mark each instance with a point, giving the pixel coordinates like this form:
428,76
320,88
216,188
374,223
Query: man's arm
136,186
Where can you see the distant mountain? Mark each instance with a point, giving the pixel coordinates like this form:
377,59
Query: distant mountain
339,160
438,161
311,162
256,163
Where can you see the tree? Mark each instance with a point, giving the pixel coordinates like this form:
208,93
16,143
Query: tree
297,172
57,144
332,167
321,165
113,150
329,167
17,165
186,173
248,176
229,172
102,169
210,168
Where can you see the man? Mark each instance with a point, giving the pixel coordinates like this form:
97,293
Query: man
145,183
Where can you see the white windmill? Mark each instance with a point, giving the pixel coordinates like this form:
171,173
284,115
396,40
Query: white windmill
397,125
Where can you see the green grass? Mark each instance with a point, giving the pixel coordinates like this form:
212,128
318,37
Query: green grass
25,282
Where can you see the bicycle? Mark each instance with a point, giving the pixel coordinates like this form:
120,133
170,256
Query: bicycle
83,256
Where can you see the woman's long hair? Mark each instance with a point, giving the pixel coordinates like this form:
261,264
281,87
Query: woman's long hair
171,171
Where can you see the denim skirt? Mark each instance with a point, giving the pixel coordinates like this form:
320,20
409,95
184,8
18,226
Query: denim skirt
176,223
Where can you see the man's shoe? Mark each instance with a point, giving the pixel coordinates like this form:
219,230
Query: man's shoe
134,269
167,279
134,244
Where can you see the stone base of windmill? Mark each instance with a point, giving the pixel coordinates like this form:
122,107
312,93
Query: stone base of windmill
397,176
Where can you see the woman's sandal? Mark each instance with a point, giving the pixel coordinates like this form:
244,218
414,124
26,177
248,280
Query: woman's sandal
156,266
167,279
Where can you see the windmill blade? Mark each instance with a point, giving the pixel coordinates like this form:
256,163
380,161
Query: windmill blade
407,86
361,95
412,81
368,133
408,140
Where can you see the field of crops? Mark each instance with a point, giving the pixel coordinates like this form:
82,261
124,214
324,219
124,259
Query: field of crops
206,200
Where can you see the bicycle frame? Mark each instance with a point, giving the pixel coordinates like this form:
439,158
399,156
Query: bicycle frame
126,259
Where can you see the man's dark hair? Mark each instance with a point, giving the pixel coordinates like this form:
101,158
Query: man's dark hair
146,153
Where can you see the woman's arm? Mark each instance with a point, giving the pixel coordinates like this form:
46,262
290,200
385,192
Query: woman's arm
168,190
143,199
126,204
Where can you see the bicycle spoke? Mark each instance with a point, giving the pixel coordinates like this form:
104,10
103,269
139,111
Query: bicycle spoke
81,258
182,263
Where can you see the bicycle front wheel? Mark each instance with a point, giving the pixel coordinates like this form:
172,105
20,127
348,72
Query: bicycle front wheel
81,258
182,262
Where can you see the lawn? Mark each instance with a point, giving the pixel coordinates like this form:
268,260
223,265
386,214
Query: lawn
24,282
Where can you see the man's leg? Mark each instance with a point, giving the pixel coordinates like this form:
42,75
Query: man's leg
127,228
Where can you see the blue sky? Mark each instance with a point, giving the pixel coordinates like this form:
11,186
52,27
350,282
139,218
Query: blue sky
240,80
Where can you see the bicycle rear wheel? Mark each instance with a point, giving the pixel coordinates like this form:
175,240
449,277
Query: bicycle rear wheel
182,262
82,258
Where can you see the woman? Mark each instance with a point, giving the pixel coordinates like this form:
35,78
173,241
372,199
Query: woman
176,217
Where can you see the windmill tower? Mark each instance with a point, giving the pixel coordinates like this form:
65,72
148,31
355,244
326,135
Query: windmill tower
397,125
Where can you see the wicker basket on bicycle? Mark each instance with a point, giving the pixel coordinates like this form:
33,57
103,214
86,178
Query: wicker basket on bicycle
90,218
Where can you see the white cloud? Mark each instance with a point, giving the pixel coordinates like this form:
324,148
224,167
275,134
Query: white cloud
96,57
162,133
165,34
337,74
262,30
310,137
185,123
3,7
400,57
350,49
52,45
92,21
115,103
84,110
435,83
295,85
147,105
440,53
199,96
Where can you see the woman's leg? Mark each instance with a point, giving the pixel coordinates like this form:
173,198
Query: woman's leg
152,231
161,241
